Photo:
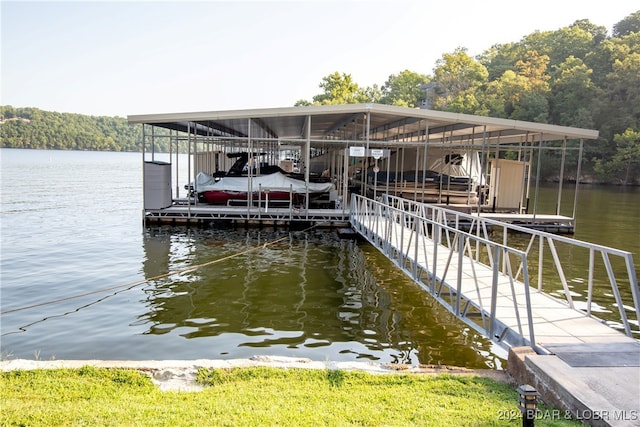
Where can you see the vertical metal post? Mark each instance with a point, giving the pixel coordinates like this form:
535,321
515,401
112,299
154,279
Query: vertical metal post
590,281
249,167
345,180
525,279
540,261
564,154
575,197
537,190
307,163
633,278
436,241
484,158
144,142
153,142
425,158
494,292
459,278
526,210
191,179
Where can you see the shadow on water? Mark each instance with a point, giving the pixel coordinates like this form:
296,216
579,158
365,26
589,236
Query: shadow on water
310,293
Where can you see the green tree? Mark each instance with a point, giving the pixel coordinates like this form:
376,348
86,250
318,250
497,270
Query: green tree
458,82
572,94
630,24
338,89
624,166
405,89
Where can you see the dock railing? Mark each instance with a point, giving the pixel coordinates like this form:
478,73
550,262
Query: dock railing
404,229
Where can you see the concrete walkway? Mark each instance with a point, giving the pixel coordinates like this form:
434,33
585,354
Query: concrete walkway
598,384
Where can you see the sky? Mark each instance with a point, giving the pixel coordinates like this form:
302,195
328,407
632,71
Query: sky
121,58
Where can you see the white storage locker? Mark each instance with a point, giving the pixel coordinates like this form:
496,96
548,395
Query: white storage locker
157,185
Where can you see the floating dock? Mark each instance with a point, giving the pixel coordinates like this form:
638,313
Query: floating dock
246,216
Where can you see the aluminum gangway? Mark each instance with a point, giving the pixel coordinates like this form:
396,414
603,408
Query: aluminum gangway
483,270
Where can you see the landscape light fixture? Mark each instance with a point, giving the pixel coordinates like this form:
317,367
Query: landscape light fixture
528,404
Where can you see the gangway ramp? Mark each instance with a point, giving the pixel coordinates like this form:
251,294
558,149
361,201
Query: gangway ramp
487,284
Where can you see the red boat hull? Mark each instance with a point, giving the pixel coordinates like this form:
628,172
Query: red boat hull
224,197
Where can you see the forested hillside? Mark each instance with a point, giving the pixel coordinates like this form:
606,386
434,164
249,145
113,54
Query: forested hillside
34,128
575,76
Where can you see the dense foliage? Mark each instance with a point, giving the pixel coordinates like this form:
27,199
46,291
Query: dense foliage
575,76
34,128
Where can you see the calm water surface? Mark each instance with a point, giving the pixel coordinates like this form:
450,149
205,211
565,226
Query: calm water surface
71,227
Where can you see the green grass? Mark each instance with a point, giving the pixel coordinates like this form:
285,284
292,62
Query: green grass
257,397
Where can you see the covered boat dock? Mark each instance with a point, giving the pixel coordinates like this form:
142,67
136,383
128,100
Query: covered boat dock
473,164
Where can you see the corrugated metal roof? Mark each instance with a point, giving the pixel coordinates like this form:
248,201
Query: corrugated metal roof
348,122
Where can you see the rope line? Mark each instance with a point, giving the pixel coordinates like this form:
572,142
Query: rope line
140,282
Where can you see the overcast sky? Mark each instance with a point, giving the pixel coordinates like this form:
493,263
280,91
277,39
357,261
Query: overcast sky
119,58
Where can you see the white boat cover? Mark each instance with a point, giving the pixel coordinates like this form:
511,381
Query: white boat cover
272,182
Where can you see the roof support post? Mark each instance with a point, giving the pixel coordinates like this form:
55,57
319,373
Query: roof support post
578,173
530,159
307,163
365,170
153,143
537,189
425,156
249,166
484,159
191,178
564,155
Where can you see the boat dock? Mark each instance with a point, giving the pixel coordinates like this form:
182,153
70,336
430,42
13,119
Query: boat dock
464,255
246,216
490,285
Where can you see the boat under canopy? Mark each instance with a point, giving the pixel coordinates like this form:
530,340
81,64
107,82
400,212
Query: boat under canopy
484,164
274,186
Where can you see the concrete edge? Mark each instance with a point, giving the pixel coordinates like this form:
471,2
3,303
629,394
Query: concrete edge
543,371
180,375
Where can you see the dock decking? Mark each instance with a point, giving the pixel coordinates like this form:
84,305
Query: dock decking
197,214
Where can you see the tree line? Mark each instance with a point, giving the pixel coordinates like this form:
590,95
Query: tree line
39,129
574,76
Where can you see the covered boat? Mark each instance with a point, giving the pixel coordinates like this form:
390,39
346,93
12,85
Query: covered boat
274,186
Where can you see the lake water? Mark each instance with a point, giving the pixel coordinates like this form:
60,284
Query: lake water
72,233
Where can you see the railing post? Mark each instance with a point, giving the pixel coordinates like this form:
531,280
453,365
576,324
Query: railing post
590,281
436,242
633,282
525,279
401,248
494,293
459,278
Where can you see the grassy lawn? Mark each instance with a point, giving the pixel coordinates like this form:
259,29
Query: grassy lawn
257,397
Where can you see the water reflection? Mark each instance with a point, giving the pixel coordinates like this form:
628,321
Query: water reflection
281,292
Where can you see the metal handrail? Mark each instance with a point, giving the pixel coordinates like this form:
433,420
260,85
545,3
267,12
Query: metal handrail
536,245
403,236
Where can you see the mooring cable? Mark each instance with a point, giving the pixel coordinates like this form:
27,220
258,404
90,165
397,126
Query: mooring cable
143,281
